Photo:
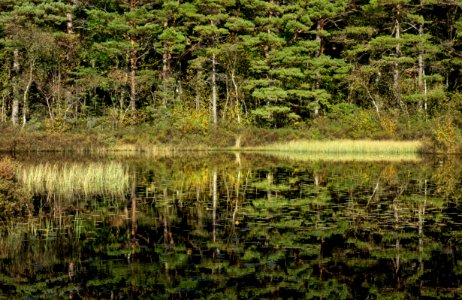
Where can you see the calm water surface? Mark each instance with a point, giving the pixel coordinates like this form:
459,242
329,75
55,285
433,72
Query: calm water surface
241,226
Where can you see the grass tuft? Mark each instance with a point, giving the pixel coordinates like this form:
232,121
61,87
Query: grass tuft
346,147
75,178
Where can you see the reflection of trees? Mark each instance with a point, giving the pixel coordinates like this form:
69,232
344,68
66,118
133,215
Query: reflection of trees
219,227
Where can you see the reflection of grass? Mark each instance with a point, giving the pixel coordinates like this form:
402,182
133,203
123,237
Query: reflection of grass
312,156
347,146
75,178
136,149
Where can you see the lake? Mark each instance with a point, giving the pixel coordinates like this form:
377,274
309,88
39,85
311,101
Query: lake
222,225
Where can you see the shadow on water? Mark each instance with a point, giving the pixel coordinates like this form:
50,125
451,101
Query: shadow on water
236,226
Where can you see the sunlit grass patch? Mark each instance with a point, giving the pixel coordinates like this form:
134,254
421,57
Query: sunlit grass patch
346,147
69,179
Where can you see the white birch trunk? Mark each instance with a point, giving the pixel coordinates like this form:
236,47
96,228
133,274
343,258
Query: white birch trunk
26,94
15,105
214,89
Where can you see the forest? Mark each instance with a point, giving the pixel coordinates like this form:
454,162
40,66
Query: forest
338,68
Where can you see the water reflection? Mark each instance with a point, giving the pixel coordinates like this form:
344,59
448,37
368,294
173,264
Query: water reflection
241,226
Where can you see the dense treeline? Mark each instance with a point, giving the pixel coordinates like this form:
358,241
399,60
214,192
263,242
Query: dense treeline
272,63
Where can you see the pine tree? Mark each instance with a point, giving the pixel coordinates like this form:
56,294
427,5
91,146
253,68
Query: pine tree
120,38
208,34
32,36
176,19
396,53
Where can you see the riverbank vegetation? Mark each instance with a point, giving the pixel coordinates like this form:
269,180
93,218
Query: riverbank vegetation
198,74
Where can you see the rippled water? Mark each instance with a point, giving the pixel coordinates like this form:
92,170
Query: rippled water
242,226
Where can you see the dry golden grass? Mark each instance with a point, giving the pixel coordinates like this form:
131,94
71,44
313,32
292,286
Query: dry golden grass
346,147
75,178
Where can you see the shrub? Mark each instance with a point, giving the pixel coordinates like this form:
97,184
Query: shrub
445,135
57,125
190,120
389,125
7,169
349,121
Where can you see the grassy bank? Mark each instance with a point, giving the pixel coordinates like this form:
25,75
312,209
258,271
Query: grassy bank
149,140
154,140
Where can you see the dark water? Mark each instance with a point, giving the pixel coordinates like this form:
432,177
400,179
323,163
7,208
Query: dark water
227,226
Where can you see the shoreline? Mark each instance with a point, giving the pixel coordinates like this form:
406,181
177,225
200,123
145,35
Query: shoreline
152,141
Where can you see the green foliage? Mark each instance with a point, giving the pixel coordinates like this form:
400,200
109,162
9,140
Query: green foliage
275,63
189,121
357,123
274,116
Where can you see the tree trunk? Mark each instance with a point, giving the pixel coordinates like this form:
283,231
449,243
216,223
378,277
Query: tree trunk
70,18
236,92
422,82
26,94
396,73
397,51
15,106
3,106
166,58
70,23
266,48
214,89
319,53
133,75
133,55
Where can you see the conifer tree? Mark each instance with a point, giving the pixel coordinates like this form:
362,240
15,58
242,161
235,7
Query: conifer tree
120,38
28,37
208,34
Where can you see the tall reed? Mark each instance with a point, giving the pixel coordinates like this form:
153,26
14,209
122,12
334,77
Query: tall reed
75,178
346,146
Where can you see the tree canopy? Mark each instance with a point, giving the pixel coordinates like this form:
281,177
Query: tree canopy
271,63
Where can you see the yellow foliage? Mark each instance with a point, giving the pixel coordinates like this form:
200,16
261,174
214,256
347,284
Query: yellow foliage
445,135
191,120
7,168
389,125
363,124
57,124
